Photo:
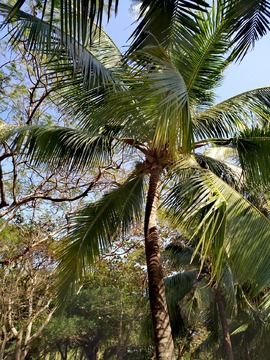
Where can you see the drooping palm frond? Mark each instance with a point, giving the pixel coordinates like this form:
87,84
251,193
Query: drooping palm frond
242,230
179,285
95,226
250,18
227,284
68,62
211,321
244,21
238,112
259,334
222,169
65,147
181,255
247,327
192,198
253,22
248,246
246,318
75,16
251,152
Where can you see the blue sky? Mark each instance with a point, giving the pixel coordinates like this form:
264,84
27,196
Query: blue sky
253,72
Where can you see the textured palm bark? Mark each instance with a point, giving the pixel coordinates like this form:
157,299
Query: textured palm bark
160,316
224,324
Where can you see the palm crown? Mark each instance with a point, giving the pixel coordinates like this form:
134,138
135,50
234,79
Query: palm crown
158,100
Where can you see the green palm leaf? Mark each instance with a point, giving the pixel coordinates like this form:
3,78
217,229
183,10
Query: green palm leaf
252,154
95,227
245,21
159,20
75,16
149,106
166,91
253,151
228,223
180,285
252,24
92,68
235,113
65,147
193,199
222,169
181,255
202,61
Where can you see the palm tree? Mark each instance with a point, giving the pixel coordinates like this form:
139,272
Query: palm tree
159,102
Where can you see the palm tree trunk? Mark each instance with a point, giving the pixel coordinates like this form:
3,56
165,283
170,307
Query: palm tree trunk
160,316
224,324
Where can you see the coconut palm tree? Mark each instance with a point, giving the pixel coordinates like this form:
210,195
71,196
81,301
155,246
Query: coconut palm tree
160,103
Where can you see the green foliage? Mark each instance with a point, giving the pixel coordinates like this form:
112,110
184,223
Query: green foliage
96,225
101,314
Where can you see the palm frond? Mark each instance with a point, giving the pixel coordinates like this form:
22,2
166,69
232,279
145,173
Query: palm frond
158,21
66,56
95,227
251,148
212,323
164,99
204,291
227,284
181,255
266,301
221,169
202,61
76,17
193,199
252,23
254,155
179,285
151,104
241,229
65,147
238,112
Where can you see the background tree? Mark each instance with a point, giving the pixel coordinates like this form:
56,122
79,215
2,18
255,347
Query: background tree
103,319
25,289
